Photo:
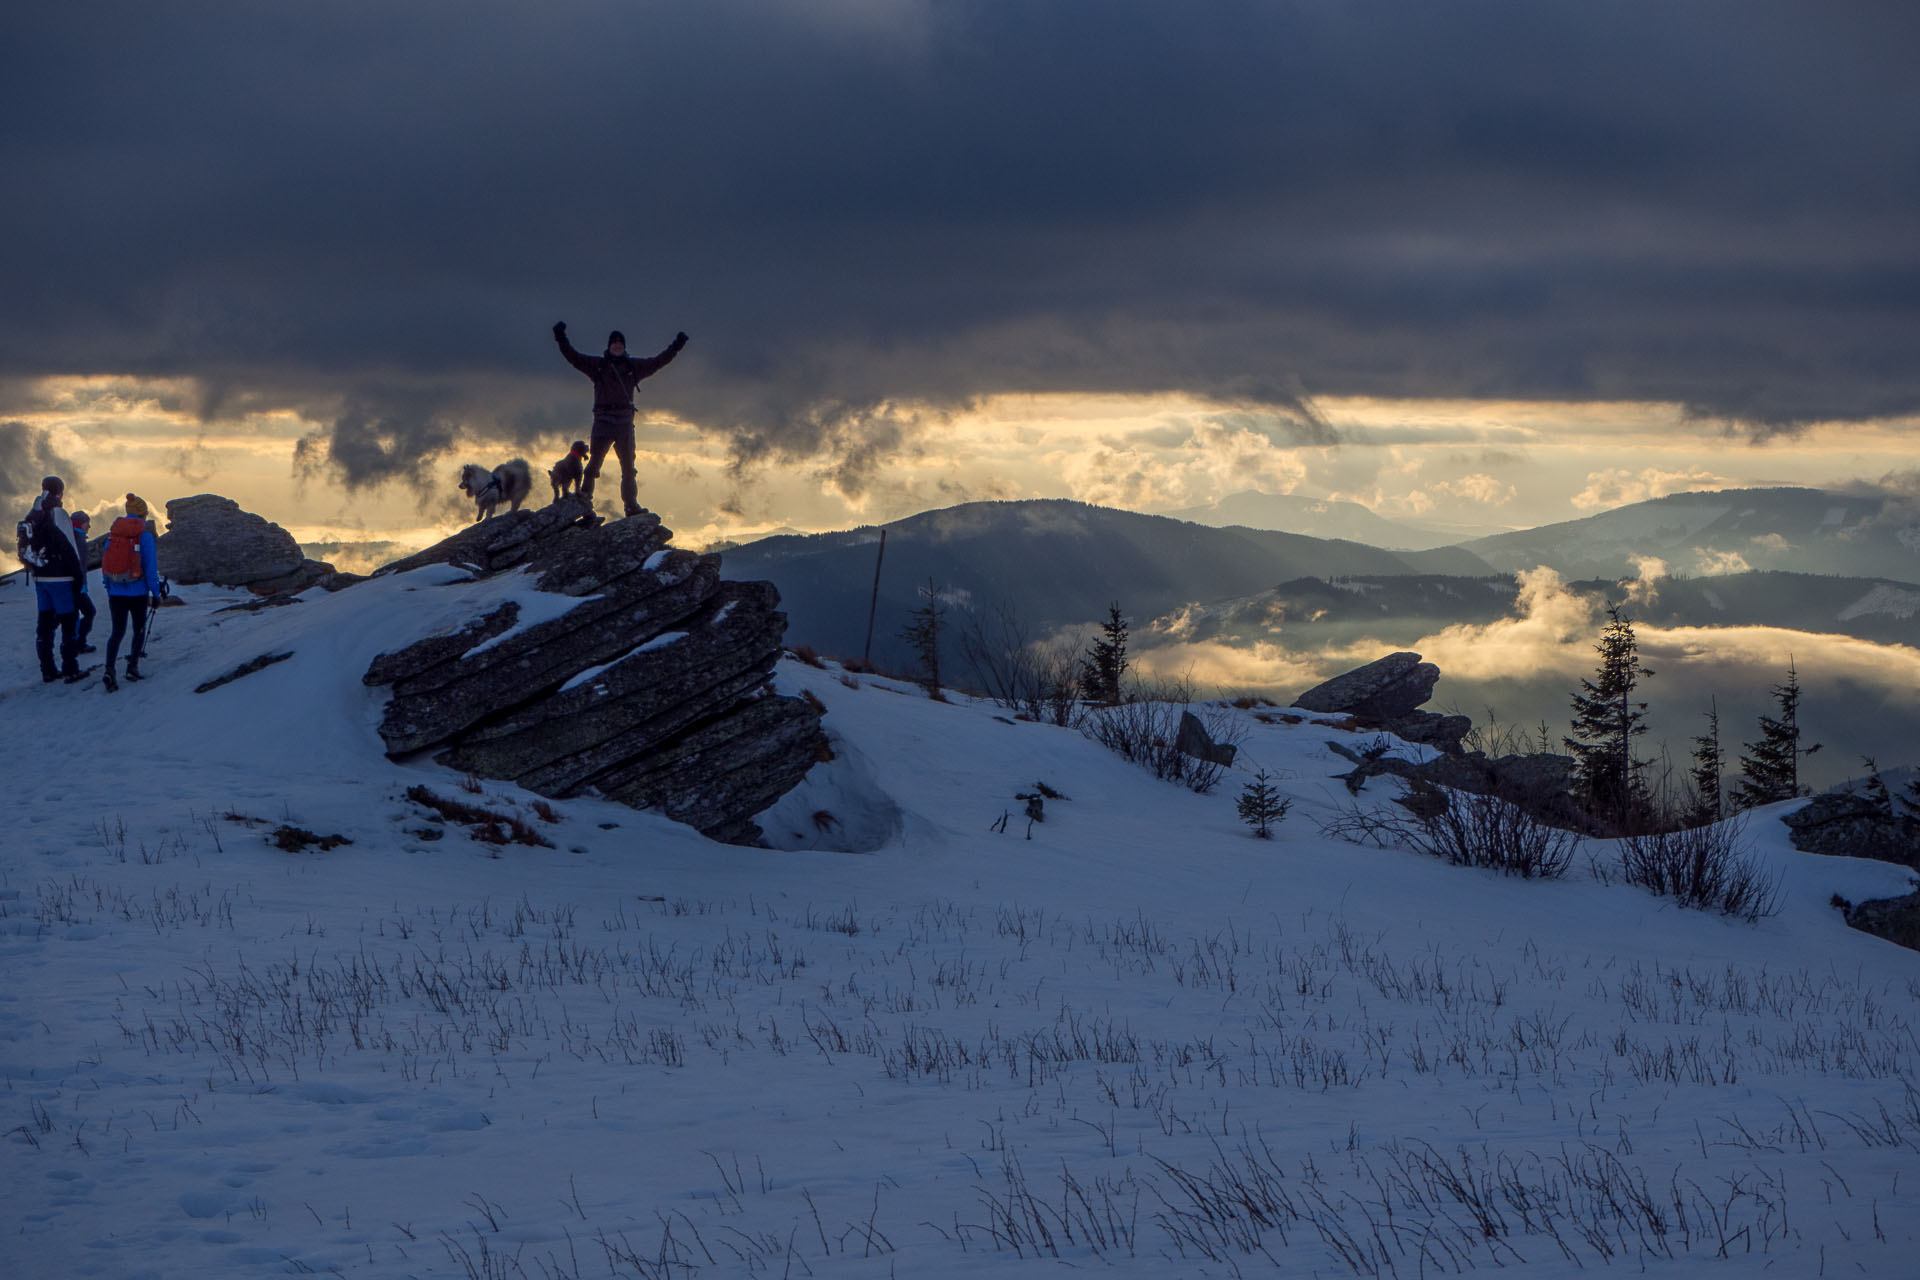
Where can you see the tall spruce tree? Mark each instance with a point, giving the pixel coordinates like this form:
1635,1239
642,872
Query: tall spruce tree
1709,762
1770,770
1606,720
1106,659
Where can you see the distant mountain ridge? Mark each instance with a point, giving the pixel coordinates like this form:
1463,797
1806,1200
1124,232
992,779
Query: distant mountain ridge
1726,531
1322,518
1058,563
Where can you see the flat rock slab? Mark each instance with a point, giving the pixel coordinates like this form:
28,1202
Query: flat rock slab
1385,689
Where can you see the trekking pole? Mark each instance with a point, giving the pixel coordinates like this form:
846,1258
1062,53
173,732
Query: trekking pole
153,617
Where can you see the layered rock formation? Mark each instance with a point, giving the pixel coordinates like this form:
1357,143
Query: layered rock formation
653,690
210,539
1389,692
1852,826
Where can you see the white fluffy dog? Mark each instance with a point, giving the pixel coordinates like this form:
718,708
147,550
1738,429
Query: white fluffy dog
510,482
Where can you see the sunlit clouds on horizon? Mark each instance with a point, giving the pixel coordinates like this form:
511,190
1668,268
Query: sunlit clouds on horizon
1482,465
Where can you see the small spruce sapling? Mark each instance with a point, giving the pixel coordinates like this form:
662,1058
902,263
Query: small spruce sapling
1260,805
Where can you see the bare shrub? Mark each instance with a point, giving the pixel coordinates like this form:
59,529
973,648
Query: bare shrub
1145,732
485,825
1464,829
1010,668
1470,830
1706,868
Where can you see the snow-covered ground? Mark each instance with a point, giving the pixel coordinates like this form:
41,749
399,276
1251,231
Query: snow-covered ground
1129,1037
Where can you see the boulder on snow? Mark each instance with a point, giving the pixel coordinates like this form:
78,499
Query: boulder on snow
1387,693
1194,740
1431,729
210,539
1385,689
653,690
1539,783
1852,826
1895,919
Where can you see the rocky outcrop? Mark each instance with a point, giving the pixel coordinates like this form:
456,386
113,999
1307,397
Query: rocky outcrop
1539,782
1895,919
1385,689
1387,693
210,539
653,690
1852,826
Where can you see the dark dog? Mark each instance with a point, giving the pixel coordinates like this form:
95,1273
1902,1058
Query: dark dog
569,471
510,482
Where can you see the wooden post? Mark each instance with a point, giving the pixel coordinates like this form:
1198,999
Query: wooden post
866,654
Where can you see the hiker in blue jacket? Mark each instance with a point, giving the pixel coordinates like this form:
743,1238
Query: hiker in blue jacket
53,562
130,565
83,601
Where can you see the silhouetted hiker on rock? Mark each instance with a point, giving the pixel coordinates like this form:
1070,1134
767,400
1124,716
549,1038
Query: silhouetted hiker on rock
615,374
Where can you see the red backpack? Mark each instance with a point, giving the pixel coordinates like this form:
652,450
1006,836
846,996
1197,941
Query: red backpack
120,562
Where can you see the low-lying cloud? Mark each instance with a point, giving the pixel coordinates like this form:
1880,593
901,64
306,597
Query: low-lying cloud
1863,697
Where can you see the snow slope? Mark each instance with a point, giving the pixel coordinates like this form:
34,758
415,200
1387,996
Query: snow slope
1129,1036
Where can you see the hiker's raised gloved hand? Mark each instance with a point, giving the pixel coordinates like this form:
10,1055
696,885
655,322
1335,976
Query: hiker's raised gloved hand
679,340
559,330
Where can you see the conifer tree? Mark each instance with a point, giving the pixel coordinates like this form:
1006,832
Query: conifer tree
1876,788
1106,659
922,634
1770,770
1708,764
1260,805
1606,720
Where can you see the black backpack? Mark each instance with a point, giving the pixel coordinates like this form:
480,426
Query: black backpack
33,541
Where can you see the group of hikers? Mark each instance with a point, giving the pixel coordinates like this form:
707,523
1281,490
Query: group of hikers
54,544
54,548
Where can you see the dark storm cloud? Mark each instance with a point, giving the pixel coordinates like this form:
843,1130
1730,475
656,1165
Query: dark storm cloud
27,457
382,434
854,204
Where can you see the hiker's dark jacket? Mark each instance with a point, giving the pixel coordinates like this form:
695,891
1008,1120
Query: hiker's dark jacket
53,533
614,379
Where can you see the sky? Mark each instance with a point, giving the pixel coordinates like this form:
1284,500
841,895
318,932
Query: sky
1478,265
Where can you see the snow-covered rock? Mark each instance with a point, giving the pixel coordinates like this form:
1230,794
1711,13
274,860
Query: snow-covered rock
570,685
